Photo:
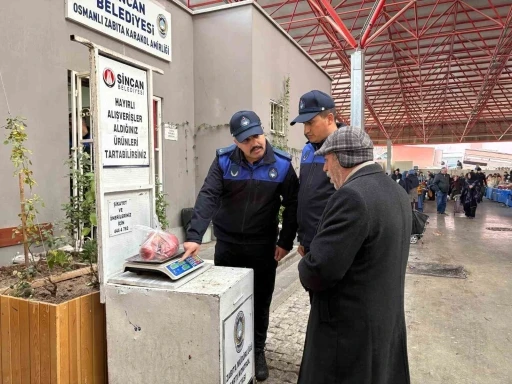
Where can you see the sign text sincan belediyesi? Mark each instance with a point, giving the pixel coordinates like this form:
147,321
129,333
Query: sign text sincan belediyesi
140,23
124,113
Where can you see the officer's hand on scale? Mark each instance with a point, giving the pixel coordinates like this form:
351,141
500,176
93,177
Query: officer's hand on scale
191,249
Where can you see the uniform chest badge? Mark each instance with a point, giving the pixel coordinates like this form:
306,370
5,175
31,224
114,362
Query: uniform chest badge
272,173
306,155
234,170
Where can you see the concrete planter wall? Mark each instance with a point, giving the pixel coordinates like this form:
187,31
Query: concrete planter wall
48,343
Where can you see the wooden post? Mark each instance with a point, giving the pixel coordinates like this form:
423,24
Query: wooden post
23,218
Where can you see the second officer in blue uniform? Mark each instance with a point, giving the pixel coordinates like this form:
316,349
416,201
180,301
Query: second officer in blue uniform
317,112
245,187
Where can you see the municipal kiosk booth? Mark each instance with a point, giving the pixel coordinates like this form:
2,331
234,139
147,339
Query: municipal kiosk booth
167,321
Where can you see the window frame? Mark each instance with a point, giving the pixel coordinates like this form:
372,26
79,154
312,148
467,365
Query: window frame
275,105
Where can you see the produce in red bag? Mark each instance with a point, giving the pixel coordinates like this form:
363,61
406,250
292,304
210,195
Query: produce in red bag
159,245
146,252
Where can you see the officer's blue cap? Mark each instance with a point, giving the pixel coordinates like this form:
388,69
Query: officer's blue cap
311,104
244,124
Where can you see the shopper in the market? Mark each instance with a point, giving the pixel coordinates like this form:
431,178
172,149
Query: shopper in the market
411,187
395,174
246,185
441,186
355,271
317,112
469,196
482,184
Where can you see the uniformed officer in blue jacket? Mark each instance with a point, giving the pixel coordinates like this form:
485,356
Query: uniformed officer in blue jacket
317,112
246,185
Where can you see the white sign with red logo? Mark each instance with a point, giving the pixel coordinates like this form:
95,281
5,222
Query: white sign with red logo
124,111
141,23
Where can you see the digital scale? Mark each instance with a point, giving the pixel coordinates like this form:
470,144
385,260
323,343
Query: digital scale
171,267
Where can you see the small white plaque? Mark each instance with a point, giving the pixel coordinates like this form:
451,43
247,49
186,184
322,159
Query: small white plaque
171,133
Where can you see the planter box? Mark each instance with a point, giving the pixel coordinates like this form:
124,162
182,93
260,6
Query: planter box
48,343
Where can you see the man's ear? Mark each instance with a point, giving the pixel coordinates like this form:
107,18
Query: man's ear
332,118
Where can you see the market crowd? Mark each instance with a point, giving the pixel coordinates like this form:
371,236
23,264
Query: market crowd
467,190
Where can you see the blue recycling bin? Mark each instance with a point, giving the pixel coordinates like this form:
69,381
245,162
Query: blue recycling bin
506,197
493,194
501,195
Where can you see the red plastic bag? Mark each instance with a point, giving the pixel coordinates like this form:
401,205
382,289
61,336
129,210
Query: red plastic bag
159,245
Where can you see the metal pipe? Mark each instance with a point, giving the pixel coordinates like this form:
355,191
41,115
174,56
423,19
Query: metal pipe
357,89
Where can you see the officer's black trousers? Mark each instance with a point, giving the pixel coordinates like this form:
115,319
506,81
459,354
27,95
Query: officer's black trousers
260,258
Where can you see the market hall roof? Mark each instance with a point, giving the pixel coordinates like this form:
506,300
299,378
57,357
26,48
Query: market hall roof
436,70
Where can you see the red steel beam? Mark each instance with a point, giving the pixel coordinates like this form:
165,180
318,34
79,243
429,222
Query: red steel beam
389,22
374,18
427,37
335,21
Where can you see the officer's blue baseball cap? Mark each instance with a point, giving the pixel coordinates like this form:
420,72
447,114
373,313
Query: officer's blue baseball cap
311,104
244,124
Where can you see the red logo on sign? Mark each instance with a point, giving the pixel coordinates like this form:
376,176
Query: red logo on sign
108,77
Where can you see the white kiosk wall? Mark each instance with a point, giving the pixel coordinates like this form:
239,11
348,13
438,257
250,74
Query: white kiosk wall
121,118
127,182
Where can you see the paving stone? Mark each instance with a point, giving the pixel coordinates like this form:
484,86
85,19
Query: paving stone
286,335
290,377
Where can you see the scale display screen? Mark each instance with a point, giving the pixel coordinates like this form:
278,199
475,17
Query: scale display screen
180,267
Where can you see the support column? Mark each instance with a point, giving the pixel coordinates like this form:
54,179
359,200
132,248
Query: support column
389,156
357,89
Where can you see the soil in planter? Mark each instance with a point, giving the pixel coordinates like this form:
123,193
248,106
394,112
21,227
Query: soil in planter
7,278
66,290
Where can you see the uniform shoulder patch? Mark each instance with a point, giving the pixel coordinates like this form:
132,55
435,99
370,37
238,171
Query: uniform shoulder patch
282,153
223,151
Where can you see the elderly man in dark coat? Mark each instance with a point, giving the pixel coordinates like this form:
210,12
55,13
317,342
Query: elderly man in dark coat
355,271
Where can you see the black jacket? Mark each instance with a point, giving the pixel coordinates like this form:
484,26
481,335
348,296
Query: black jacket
314,192
480,176
411,182
244,200
442,181
355,272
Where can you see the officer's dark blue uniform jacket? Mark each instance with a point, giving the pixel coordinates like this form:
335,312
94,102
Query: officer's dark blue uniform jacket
315,190
244,200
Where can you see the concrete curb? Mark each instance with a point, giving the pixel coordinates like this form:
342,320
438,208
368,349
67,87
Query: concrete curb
287,283
289,259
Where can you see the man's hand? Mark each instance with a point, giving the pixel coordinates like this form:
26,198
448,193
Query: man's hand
280,253
301,250
191,249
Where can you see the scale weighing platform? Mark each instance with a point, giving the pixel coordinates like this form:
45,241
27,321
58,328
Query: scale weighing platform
171,267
